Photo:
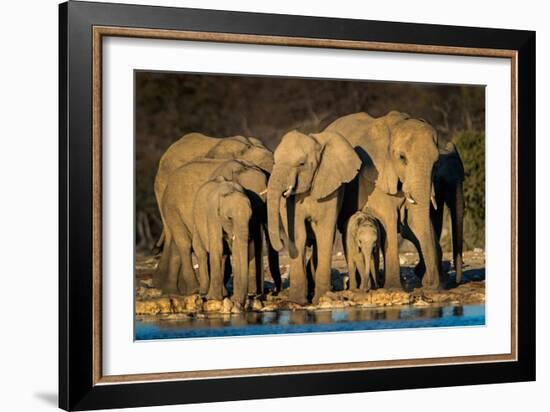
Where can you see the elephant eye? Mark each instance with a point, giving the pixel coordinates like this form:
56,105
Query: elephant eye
403,158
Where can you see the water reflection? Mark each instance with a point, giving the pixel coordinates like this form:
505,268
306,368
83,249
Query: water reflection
302,321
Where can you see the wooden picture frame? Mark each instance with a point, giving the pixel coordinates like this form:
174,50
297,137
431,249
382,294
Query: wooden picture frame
82,385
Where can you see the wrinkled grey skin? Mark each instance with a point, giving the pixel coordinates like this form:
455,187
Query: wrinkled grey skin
193,146
304,197
448,187
224,211
398,154
177,208
362,246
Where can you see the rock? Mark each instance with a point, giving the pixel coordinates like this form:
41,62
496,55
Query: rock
193,303
227,305
212,306
237,308
146,308
255,304
146,292
147,282
164,305
269,307
179,305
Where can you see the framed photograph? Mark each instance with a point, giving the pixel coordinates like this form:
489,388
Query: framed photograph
257,205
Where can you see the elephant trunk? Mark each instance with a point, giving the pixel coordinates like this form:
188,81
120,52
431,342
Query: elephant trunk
278,184
418,219
366,275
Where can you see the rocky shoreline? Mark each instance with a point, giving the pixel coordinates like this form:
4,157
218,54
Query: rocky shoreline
151,304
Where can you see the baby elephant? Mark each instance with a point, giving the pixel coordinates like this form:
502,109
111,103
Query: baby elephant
362,246
222,212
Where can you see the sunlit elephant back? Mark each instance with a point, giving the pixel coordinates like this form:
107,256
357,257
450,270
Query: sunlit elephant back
398,154
194,146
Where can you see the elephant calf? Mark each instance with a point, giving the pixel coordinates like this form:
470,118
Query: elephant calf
224,211
363,246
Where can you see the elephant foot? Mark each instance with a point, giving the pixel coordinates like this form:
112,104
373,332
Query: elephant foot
214,296
431,284
393,284
298,298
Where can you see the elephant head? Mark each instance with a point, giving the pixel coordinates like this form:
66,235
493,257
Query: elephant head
316,165
361,240
244,148
249,176
409,159
228,213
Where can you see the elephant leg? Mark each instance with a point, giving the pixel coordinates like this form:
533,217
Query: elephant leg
227,270
375,267
204,279
456,207
159,277
252,269
365,271
324,241
187,280
273,262
352,273
391,252
310,272
168,270
408,234
422,229
298,285
215,291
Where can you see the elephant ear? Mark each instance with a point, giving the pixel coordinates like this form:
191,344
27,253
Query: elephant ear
338,164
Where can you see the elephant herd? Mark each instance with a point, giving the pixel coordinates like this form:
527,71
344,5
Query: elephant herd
368,178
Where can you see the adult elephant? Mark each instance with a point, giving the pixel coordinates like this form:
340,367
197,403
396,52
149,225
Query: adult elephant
398,154
448,187
175,272
309,175
193,146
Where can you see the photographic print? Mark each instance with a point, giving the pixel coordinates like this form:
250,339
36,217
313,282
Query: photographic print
279,205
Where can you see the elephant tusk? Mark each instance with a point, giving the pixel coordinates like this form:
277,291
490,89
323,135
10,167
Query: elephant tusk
434,204
288,191
410,199
263,192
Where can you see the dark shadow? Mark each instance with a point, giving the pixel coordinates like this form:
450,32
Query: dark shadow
49,398
469,275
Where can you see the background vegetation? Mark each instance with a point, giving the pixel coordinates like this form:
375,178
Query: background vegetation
169,105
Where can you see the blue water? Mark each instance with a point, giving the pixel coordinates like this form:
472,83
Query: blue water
336,320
